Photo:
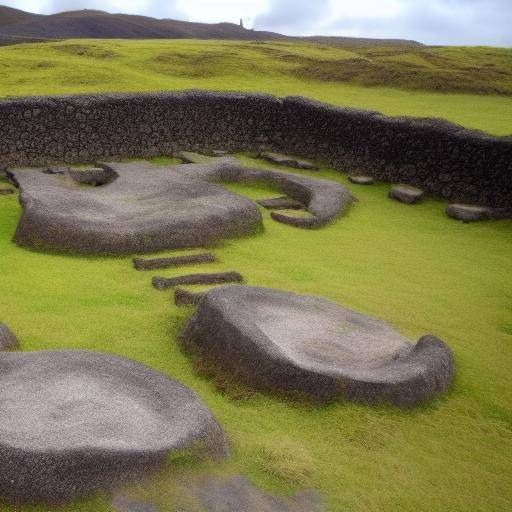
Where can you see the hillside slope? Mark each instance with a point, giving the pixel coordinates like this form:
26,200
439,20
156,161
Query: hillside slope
99,24
419,81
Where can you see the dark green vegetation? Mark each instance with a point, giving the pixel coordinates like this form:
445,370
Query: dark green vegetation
396,80
408,265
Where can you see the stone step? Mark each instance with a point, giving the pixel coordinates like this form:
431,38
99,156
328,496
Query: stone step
406,194
164,283
288,161
174,261
358,179
280,203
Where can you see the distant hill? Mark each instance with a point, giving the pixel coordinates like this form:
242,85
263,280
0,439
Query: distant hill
103,25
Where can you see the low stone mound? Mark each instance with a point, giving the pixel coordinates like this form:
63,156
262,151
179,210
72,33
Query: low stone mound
75,421
8,340
280,341
150,208
164,283
288,161
94,176
358,179
6,191
471,213
174,261
406,194
280,203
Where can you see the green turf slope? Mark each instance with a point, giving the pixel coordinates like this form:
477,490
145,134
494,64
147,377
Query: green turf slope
408,265
469,86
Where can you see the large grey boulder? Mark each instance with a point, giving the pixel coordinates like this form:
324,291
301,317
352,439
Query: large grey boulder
74,421
147,208
285,342
8,340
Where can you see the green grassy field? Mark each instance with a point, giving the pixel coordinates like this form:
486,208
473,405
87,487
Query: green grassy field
408,265
469,86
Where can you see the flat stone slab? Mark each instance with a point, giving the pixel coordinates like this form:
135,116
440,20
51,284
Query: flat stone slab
406,194
471,213
280,341
164,283
174,261
149,208
288,161
8,340
6,191
280,203
74,421
358,179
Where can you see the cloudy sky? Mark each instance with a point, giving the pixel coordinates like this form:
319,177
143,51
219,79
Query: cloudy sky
429,21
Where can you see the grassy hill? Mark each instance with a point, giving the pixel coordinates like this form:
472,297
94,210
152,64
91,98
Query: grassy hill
469,86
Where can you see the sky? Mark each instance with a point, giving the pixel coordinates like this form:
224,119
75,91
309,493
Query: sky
473,22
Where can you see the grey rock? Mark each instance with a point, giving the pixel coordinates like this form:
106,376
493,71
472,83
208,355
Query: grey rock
471,213
164,283
8,340
288,161
6,191
95,176
239,495
74,421
219,152
280,341
280,203
175,261
149,208
358,179
186,298
406,194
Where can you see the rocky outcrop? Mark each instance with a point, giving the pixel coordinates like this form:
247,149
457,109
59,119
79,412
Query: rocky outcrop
75,421
280,341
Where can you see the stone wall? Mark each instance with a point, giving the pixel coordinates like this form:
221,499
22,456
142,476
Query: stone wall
445,159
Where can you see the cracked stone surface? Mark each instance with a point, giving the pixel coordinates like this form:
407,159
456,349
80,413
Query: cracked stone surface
74,421
281,341
148,208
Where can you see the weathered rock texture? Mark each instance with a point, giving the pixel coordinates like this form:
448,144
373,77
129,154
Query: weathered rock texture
8,340
280,203
282,341
147,208
287,160
358,179
469,213
440,157
76,421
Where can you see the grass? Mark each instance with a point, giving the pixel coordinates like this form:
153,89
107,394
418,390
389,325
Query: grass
469,86
409,265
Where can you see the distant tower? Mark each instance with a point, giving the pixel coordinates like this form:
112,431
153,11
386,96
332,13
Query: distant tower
241,23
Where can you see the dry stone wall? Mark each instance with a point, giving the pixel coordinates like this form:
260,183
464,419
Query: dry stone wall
444,159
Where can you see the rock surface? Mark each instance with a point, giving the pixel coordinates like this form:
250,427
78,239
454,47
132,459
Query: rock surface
8,340
148,208
174,261
75,421
164,283
285,342
6,191
406,194
470,213
280,203
288,161
361,180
